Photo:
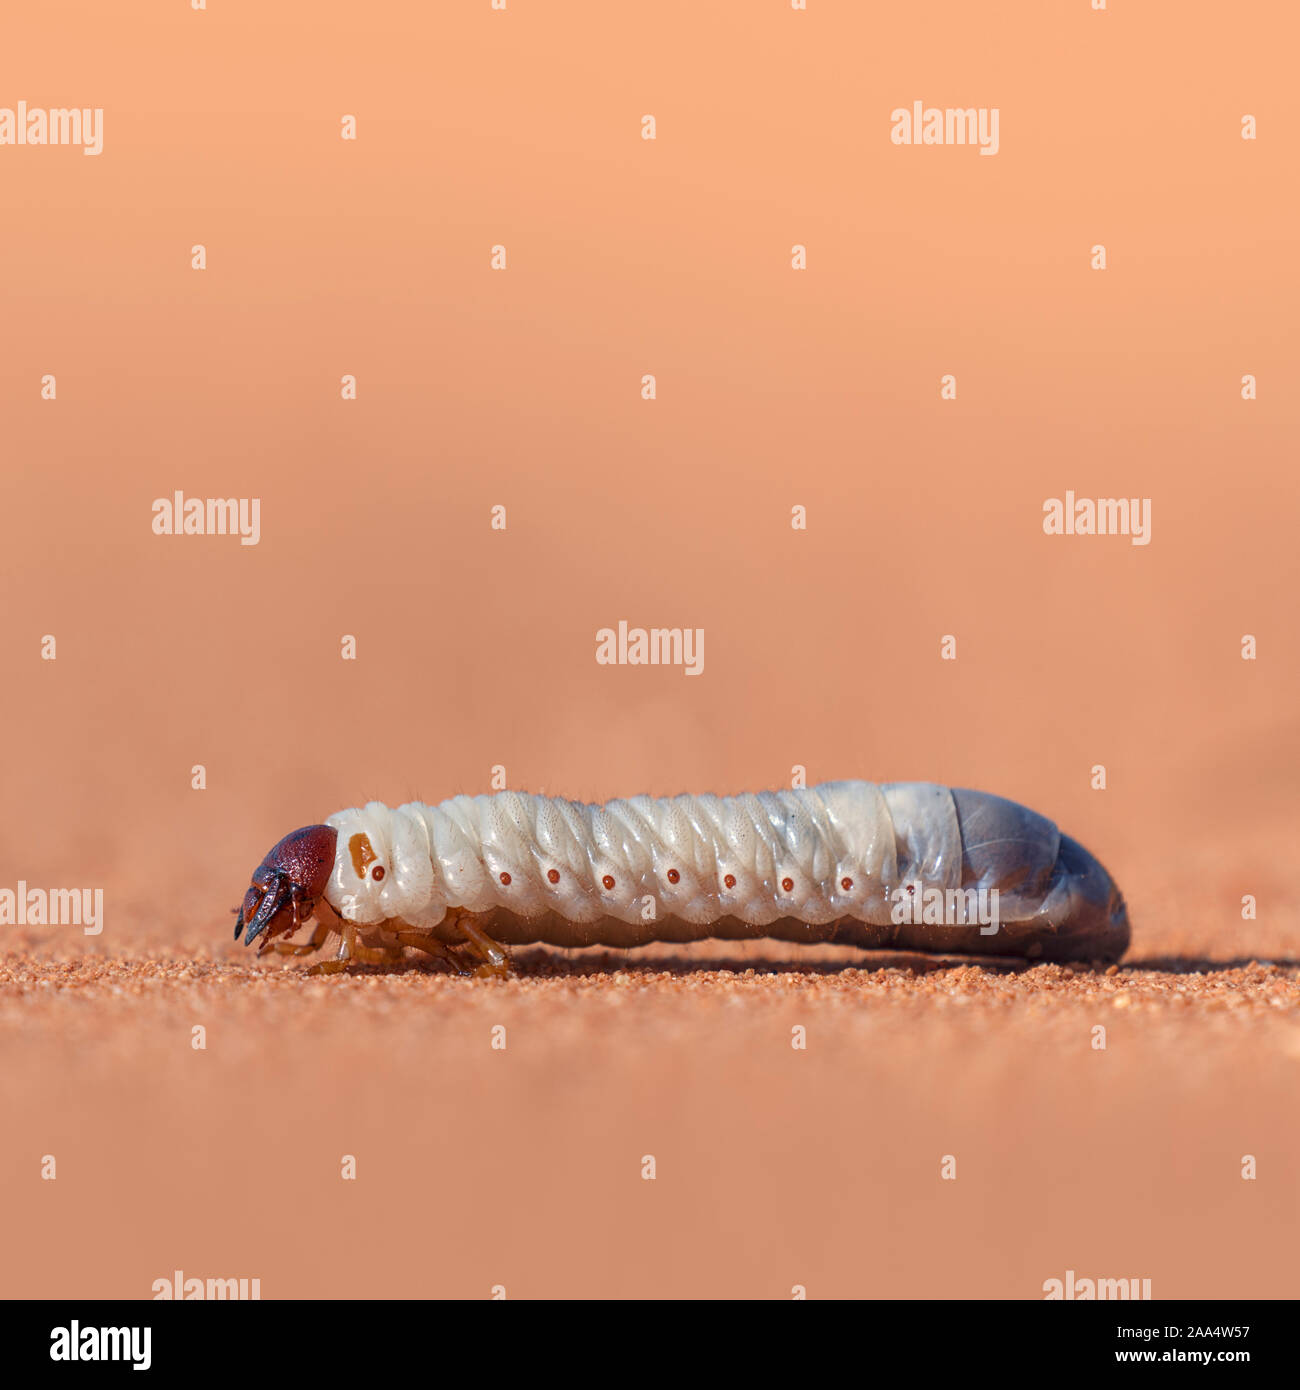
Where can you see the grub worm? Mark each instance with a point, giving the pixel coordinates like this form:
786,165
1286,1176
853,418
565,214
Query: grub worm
909,866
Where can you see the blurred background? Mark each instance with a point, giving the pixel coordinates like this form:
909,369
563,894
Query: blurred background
522,388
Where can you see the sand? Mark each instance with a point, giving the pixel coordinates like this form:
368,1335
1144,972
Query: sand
774,1166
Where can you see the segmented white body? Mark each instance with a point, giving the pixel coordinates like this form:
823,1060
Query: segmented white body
804,864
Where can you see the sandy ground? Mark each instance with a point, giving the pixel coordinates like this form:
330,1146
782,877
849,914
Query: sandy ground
521,1166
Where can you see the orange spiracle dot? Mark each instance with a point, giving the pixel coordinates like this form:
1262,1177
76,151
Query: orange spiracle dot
673,876
505,878
553,875
608,881
730,880
846,884
787,885
377,872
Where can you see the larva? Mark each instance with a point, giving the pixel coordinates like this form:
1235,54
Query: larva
909,865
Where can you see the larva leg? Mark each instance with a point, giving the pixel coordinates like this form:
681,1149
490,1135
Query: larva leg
344,957
329,967
303,948
433,947
495,958
353,952
377,955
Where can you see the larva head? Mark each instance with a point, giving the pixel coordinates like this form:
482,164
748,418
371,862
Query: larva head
287,884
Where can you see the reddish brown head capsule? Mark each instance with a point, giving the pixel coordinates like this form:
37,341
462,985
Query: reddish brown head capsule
287,883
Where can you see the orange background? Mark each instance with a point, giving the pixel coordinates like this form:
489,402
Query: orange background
476,647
